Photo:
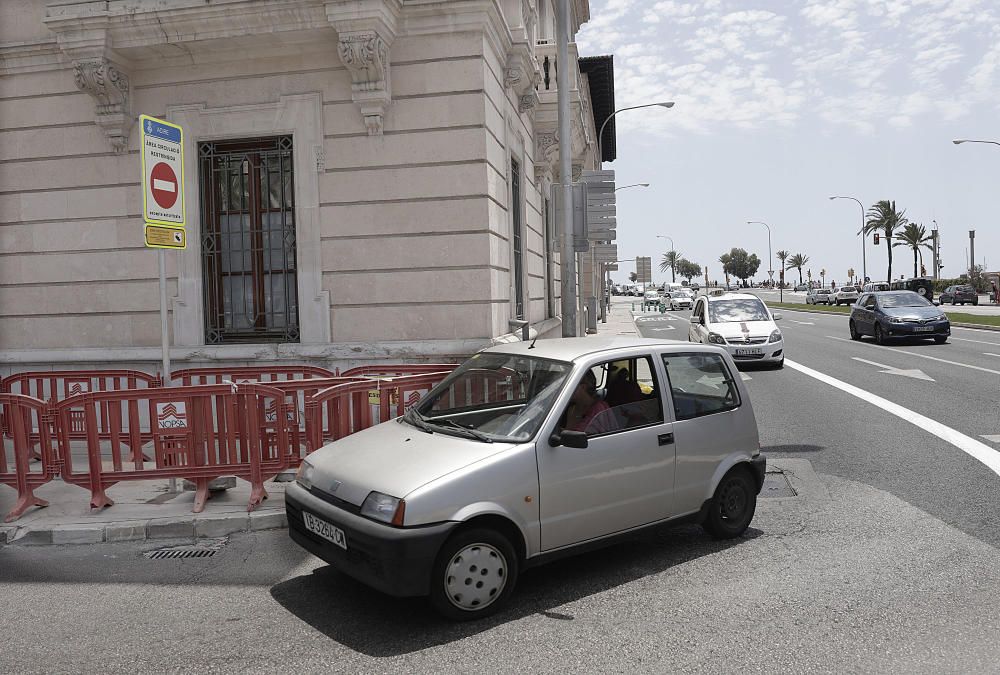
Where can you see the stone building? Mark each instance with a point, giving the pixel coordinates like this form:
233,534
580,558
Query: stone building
364,179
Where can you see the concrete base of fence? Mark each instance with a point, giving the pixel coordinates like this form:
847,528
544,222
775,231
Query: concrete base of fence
143,510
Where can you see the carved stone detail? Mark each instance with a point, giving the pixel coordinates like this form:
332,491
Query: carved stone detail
577,172
546,146
320,155
366,56
512,75
109,87
527,101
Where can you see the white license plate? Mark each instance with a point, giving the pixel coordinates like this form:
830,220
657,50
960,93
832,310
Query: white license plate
923,329
324,529
750,352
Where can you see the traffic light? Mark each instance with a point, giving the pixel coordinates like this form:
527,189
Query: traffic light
876,238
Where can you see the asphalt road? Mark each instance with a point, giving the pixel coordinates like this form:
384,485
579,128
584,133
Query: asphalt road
799,297
956,384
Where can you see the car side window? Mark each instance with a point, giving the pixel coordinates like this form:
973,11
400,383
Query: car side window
700,384
615,396
870,302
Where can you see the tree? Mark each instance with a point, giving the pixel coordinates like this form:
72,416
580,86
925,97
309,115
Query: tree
914,235
688,269
726,269
782,256
883,217
632,276
669,262
797,262
742,265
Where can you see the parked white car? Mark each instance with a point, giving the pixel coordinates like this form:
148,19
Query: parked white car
680,300
846,295
527,452
742,324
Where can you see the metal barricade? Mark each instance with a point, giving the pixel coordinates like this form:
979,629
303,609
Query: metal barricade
261,374
26,416
399,370
196,432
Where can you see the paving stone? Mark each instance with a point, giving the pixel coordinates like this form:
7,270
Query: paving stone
78,534
218,527
268,520
170,528
132,531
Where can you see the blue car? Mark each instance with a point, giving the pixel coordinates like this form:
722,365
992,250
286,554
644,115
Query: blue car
898,314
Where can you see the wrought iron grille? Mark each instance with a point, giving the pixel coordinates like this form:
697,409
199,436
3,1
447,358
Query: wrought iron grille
248,240
518,235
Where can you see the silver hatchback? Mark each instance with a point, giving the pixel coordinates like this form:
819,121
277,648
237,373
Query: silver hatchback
527,452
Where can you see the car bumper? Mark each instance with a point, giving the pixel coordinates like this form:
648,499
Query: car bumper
911,330
758,465
768,352
394,560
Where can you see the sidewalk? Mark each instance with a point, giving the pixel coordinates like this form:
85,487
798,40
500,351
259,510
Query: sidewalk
147,510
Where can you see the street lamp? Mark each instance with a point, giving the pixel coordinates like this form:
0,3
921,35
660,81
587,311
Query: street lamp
770,264
632,185
600,134
959,141
673,270
864,265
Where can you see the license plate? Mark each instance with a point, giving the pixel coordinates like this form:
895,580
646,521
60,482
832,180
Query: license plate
750,352
330,532
923,329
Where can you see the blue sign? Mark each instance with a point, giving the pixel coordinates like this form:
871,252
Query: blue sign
167,133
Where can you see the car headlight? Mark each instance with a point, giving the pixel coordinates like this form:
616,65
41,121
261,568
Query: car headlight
896,319
385,508
940,318
775,336
716,339
305,474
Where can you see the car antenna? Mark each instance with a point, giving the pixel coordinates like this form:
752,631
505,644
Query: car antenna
532,345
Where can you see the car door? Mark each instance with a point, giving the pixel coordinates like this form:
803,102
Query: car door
865,320
698,331
624,477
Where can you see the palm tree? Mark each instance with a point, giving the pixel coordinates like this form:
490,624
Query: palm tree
782,256
797,262
883,217
725,260
914,235
670,260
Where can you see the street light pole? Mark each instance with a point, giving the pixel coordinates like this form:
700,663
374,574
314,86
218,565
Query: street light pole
569,317
864,264
673,271
770,264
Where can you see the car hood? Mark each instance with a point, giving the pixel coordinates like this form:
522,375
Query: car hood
913,312
735,330
393,458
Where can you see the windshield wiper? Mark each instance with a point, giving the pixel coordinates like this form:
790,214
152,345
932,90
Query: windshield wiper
417,420
452,424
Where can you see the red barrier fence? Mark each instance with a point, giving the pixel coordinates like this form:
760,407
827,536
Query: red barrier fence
197,432
399,370
26,416
237,374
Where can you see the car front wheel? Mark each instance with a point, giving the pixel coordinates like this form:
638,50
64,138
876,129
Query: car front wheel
474,575
879,336
732,506
855,335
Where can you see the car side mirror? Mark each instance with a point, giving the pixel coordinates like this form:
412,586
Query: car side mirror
568,438
776,317
937,303
696,319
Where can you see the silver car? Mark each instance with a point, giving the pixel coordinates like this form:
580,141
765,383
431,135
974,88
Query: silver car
527,452
847,295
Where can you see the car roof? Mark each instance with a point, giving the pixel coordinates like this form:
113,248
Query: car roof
732,296
571,349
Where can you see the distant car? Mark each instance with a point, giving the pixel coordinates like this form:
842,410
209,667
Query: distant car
456,497
959,295
802,287
680,300
919,285
741,323
651,298
816,296
896,314
847,295
875,287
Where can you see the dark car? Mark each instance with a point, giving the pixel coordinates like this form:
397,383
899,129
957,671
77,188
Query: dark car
959,295
919,285
896,314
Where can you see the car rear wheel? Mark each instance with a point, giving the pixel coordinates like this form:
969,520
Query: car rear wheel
879,336
474,575
855,335
940,339
732,506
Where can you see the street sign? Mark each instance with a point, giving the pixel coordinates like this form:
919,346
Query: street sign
162,172
580,242
157,236
644,269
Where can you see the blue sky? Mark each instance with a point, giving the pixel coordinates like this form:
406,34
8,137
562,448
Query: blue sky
782,103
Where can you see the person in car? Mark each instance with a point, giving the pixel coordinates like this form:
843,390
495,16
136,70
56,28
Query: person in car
587,411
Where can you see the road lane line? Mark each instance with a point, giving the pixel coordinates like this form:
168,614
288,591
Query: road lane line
982,342
975,449
992,438
914,373
923,356
990,354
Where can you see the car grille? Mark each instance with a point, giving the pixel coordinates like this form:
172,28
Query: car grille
747,357
736,342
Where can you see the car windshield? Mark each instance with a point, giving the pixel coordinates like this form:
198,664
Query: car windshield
495,397
964,289
906,299
737,309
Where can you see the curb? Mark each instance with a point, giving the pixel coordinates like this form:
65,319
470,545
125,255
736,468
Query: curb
973,326
142,530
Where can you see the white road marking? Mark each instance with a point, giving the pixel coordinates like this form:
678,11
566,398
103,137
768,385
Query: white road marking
982,342
992,438
915,374
664,328
745,377
923,356
990,354
804,323
975,449
164,185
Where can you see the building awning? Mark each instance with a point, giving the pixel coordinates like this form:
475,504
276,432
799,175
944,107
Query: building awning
600,72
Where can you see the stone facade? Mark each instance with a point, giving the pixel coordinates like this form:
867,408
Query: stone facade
404,116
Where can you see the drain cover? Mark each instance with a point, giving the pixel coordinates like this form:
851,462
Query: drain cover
205,549
776,485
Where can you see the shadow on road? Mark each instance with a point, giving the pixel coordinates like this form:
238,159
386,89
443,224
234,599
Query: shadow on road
778,449
378,625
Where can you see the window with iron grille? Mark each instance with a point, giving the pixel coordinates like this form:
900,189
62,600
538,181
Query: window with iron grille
248,240
518,236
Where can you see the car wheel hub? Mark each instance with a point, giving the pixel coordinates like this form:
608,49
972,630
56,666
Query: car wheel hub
475,577
733,502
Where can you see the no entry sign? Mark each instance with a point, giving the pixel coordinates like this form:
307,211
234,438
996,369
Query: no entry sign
162,172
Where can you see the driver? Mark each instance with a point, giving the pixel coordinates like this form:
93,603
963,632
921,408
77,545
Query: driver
587,412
